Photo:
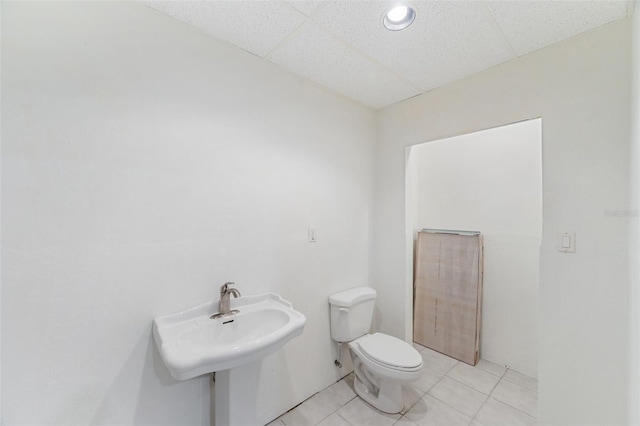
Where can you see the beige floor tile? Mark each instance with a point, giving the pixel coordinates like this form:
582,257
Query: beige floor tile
429,378
431,412
410,395
437,361
458,396
491,367
517,397
276,422
473,377
495,413
435,399
337,395
521,379
357,412
309,413
334,420
403,421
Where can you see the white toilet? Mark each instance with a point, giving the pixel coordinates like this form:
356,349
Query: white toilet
382,363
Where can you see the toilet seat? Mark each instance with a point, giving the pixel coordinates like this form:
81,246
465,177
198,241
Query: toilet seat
390,352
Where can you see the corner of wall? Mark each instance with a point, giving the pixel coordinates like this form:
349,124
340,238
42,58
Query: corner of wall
634,225
1,422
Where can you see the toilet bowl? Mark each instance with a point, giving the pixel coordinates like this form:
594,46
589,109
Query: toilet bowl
382,364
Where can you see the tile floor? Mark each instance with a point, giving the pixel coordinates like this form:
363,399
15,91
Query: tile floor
449,393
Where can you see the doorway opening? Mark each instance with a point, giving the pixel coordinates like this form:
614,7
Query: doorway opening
488,181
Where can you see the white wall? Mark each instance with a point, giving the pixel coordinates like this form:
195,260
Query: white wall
144,164
0,230
634,226
491,181
580,88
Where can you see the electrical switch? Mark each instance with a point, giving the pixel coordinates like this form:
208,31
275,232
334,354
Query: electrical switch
312,234
567,243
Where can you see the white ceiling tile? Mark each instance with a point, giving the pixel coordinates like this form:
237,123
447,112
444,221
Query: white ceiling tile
255,26
305,6
531,25
447,41
344,46
331,63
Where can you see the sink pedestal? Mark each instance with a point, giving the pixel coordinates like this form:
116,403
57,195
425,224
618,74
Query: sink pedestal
236,395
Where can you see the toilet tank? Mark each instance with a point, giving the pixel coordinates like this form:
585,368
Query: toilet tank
351,313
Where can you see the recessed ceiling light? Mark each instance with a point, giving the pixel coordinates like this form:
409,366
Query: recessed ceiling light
398,17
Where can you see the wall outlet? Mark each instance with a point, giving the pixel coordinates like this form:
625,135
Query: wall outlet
313,237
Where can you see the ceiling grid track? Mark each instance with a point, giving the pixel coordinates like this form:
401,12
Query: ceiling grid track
484,10
344,47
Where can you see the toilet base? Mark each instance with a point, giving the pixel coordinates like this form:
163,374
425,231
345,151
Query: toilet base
381,394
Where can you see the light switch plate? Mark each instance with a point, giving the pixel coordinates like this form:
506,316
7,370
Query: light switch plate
312,234
567,242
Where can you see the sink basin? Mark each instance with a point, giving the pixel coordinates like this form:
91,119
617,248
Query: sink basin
192,344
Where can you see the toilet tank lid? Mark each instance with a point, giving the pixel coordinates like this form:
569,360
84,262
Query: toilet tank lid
348,298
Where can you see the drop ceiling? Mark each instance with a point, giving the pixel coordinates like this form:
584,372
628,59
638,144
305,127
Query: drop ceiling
343,46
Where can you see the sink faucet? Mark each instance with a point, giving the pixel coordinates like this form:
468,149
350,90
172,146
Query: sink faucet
225,295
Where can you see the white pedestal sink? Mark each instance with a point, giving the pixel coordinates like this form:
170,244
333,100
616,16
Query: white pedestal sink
192,344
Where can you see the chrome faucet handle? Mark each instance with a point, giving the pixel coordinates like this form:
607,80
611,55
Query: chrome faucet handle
225,287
